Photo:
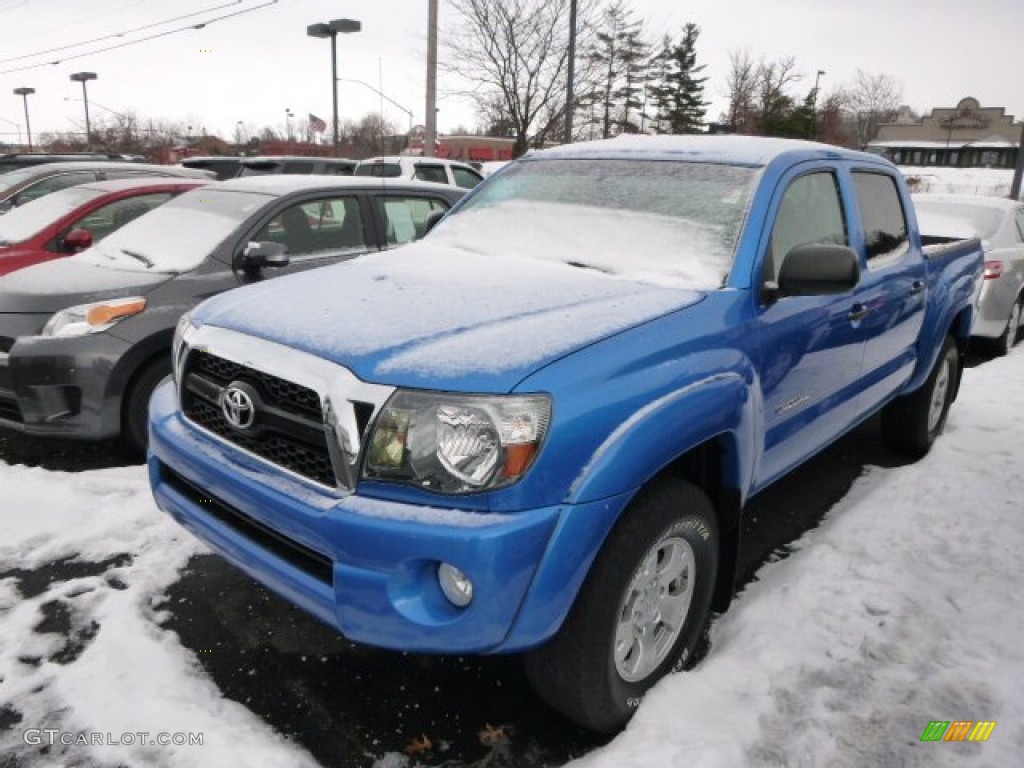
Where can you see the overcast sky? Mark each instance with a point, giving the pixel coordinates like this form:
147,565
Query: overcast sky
254,66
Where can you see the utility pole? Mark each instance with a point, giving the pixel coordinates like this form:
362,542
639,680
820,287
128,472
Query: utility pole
569,97
430,138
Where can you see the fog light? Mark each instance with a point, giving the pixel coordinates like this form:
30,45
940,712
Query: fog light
455,584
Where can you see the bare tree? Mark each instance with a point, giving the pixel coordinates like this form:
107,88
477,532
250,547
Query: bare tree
873,100
515,55
742,89
773,80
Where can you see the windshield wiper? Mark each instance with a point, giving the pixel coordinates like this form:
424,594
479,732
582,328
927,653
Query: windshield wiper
148,262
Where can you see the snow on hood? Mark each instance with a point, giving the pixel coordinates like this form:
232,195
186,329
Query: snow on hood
429,312
62,283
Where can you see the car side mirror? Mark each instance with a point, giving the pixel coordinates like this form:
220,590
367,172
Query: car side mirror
77,240
432,220
256,256
818,269
6,205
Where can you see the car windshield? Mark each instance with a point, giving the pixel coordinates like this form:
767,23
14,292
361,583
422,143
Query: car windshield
12,179
29,219
179,235
664,222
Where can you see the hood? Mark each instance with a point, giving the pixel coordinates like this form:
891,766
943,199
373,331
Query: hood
439,317
63,283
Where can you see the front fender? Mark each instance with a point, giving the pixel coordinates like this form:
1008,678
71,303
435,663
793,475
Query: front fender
666,428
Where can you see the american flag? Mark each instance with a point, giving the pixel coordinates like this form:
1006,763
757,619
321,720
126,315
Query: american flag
316,124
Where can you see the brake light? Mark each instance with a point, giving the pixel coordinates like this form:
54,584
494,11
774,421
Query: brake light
993,270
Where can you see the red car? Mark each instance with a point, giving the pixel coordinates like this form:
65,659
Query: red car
70,220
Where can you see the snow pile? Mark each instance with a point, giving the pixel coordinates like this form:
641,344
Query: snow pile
902,608
85,653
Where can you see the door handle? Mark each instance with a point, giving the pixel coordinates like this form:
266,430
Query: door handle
857,313
916,287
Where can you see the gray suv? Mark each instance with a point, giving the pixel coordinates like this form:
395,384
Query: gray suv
85,340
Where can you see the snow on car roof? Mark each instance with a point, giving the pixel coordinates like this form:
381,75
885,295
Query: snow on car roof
283,184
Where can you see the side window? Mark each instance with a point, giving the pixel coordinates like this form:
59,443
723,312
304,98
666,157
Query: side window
297,167
52,184
405,218
466,178
885,224
315,226
111,217
1020,225
431,173
810,212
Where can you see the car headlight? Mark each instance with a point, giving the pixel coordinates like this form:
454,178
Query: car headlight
456,443
92,318
184,327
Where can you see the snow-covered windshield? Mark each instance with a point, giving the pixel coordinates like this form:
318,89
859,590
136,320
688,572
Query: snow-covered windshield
11,179
664,222
27,220
179,235
948,218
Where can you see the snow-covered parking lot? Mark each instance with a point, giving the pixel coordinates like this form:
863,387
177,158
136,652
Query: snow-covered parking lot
902,608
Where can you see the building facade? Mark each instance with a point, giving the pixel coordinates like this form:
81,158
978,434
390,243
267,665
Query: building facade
965,136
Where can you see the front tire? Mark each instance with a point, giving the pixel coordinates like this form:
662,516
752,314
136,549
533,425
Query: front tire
641,612
135,413
911,423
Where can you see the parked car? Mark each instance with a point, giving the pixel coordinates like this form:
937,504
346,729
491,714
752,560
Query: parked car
999,224
262,166
73,219
434,169
536,430
224,166
84,341
13,161
21,186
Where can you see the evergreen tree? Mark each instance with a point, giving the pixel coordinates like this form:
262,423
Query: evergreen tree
679,92
618,54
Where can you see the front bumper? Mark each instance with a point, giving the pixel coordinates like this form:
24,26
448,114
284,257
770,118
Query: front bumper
368,567
61,386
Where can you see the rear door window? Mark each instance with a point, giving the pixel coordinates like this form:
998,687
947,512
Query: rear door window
298,167
381,170
466,178
881,210
433,173
405,218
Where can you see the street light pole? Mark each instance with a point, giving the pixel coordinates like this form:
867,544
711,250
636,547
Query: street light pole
430,136
569,96
288,115
331,29
814,102
24,93
83,78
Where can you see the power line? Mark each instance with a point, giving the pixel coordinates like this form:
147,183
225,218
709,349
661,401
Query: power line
199,25
120,34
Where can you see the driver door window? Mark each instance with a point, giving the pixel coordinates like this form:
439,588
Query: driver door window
810,212
318,226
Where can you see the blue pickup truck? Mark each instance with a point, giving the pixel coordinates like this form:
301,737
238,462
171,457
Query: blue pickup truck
536,430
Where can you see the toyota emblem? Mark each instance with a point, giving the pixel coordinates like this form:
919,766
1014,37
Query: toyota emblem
237,406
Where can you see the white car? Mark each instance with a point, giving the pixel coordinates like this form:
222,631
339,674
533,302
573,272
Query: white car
433,169
999,224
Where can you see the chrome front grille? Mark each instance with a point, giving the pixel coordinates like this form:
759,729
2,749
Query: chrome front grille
309,415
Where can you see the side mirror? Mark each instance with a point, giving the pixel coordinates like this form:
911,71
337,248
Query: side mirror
77,240
432,220
818,269
256,256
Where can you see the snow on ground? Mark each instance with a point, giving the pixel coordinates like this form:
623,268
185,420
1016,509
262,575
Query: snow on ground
86,655
995,182
903,607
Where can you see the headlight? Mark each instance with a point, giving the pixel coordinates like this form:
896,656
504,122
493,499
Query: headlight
456,443
92,318
181,330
